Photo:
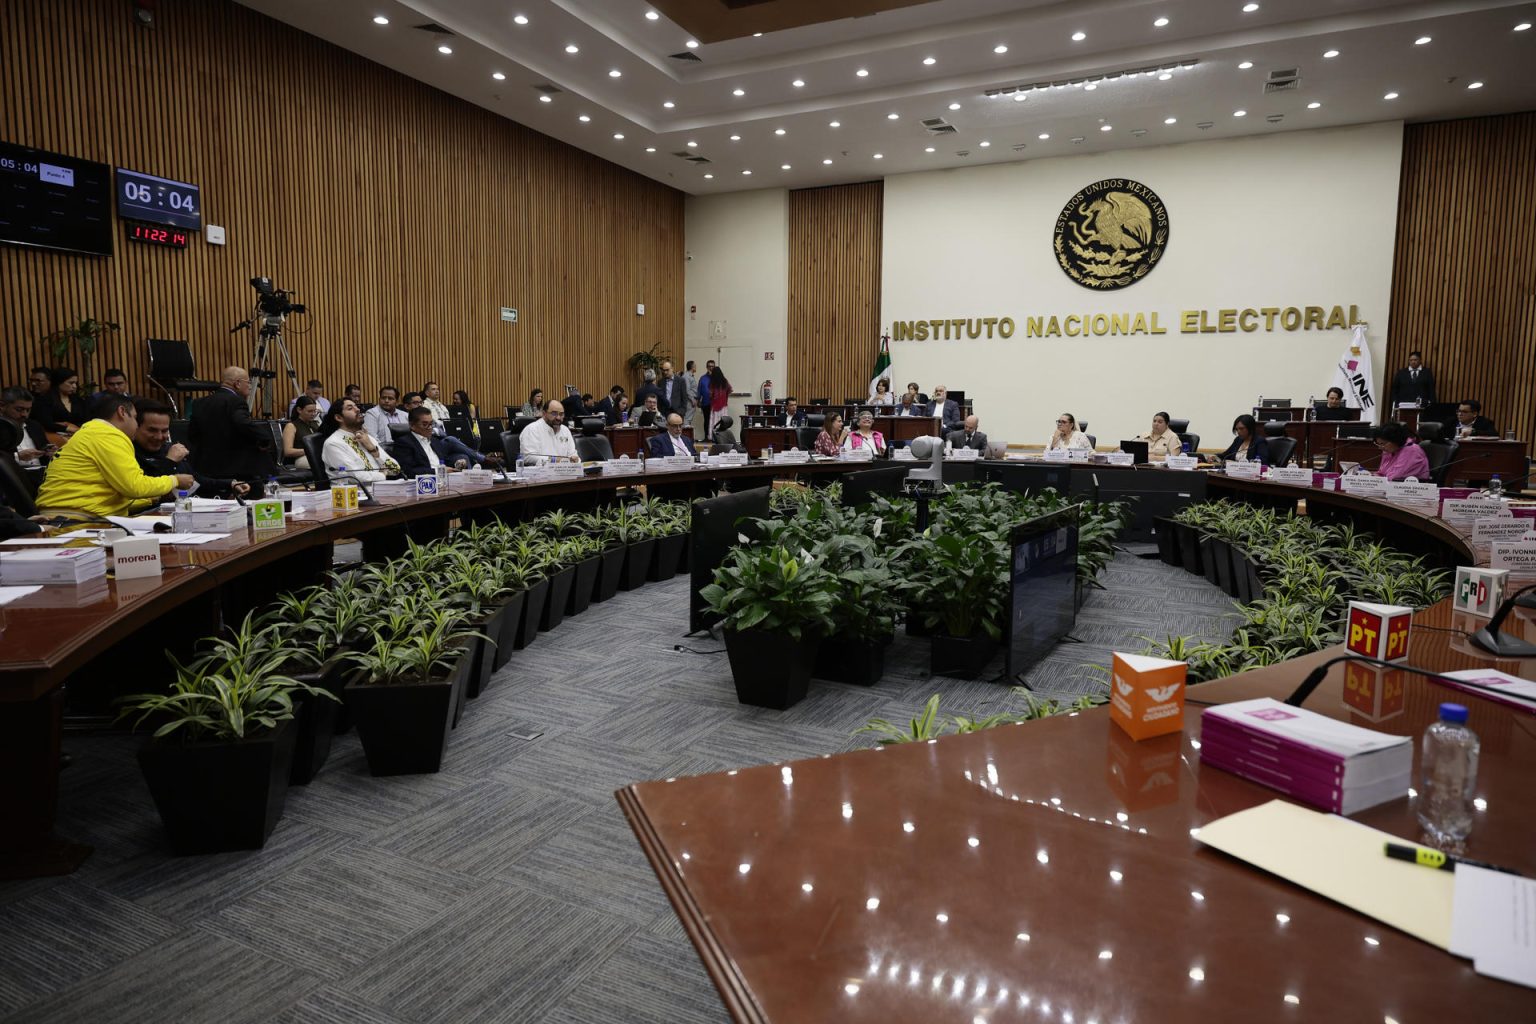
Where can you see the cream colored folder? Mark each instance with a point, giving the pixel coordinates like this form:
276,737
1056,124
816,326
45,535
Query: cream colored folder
1342,860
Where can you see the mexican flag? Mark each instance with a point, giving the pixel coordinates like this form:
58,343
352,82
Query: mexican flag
882,369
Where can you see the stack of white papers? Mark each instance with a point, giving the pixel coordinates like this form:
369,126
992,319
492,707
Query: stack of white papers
9,594
1493,921
52,565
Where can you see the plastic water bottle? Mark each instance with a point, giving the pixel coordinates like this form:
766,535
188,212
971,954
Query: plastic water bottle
1495,488
517,468
183,501
271,490
1185,448
1448,775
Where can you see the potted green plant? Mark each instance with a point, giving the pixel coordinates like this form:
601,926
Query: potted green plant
611,560
529,551
85,338
869,601
483,596
774,606
634,531
404,695
669,524
218,762
961,583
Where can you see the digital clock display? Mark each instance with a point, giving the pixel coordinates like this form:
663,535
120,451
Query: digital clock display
154,234
145,197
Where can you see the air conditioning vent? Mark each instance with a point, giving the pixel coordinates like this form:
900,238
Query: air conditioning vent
692,157
688,55
548,90
1285,86
1275,118
1019,147
434,28
1285,73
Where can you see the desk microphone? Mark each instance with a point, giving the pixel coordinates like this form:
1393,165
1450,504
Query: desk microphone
1302,692
1490,639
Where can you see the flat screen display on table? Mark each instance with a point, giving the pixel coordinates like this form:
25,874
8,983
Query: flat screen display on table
155,200
1042,587
52,201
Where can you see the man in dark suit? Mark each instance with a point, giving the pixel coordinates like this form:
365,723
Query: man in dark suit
225,441
32,448
1470,421
794,416
945,409
1413,383
608,408
647,388
674,391
673,442
418,452
158,455
968,436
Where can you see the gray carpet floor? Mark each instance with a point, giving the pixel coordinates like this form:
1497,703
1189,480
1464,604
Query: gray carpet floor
508,887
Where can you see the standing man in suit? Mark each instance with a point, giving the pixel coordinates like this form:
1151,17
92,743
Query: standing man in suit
673,442
674,391
608,408
158,455
1413,383
945,409
968,436
225,441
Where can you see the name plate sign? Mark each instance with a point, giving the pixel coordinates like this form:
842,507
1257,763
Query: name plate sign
793,457
729,459
1363,485
1056,455
1466,511
1182,462
536,472
1295,475
1492,529
1120,459
1244,470
1079,454
138,557
856,455
267,515
1518,556
1420,497
426,485
963,454
623,466
903,455
564,471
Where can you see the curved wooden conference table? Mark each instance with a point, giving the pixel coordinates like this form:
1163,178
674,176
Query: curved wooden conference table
1048,871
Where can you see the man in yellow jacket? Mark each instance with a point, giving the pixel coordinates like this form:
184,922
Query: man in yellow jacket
96,472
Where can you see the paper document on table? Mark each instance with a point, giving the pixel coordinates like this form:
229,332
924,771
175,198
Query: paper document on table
1494,923
33,542
1496,686
1342,860
9,594
140,524
190,538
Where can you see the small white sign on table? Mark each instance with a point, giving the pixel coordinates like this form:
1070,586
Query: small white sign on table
136,557
963,454
1466,511
1297,476
536,472
1419,497
1055,455
1079,454
1244,470
793,457
623,466
1364,485
903,455
565,471
1185,462
1496,529
670,464
856,455
729,459
1120,459
1518,556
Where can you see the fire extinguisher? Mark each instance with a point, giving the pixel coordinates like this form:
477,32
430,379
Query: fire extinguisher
767,392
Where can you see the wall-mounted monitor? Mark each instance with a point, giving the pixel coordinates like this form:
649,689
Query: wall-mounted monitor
144,197
52,201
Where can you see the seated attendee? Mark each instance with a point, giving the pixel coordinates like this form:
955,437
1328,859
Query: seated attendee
1333,407
316,390
621,410
575,406
651,415
882,395
1067,435
968,436
304,422
39,382
944,409
648,386
378,419
833,434
535,404
1161,440
97,474
608,408
548,439
226,442
1400,457
113,382
910,406
418,452
355,393
794,416
14,524
350,453
158,455
411,400
918,398
1470,421
432,398
864,435
32,448
1248,443
61,409
673,442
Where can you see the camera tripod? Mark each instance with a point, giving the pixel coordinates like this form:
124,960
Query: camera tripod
270,347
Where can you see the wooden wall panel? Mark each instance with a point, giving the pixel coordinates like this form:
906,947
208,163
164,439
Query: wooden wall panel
1464,275
834,289
404,217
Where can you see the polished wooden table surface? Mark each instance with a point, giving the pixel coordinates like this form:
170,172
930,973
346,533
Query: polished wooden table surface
1048,871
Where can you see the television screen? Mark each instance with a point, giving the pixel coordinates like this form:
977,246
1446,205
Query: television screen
51,201
716,524
1042,587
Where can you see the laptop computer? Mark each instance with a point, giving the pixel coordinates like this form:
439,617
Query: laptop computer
1355,430
1136,449
1274,403
997,450
1327,413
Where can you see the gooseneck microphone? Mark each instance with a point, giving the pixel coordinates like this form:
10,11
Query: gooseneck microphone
1490,639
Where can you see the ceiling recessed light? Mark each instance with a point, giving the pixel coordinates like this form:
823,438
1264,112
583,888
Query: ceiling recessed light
1245,65
379,19
1170,120
1524,26
1250,8
746,172
615,73
519,19
999,48
930,61
798,83
1330,54
1390,96
1106,127
738,92
1164,77
692,44
1044,135
834,124
757,35
668,105
572,48
928,149
983,143
783,167
1239,113
735,138
708,176
827,160
1078,37
1474,85
1423,40
954,106
1160,23
778,131
498,76
651,15
546,99
445,50
692,144
583,119
1313,105
862,72
618,136
650,149
892,117
879,156
1087,87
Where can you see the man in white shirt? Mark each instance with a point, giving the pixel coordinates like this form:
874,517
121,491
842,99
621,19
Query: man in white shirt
377,420
548,439
350,452
432,398
673,442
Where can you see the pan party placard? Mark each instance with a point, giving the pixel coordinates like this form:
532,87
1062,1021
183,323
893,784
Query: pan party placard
1111,234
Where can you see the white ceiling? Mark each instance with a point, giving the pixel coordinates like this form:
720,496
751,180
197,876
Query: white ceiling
1470,41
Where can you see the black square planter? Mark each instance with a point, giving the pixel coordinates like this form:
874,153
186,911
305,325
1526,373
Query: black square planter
612,571
216,796
404,726
315,719
962,657
1189,547
855,662
560,586
511,620
770,670
1213,556
483,653
533,613
669,555
1167,541
586,582
637,563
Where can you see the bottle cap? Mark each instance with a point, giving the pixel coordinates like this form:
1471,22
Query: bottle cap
1453,713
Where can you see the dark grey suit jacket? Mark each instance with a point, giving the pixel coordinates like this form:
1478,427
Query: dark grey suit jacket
957,439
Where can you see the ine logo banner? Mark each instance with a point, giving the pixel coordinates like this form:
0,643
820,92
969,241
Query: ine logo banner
1111,234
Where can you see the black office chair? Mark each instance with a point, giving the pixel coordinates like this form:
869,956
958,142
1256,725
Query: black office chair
520,422
1280,450
1274,428
1092,440
398,430
512,412
510,443
314,451
462,430
593,448
819,401
1429,430
1440,455
1180,427
172,370
180,431
816,419
724,438
490,435
1193,440
1082,425
805,437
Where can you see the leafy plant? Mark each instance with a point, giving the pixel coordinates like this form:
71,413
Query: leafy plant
960,580
420,653
648,359
85,337
932,725
770,588
222,699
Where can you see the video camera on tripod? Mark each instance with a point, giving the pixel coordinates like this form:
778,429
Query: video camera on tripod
273,307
